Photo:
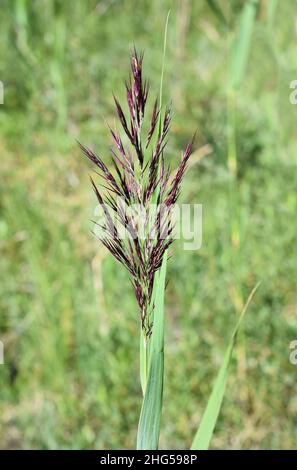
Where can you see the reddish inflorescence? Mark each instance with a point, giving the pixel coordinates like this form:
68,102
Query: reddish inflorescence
140,179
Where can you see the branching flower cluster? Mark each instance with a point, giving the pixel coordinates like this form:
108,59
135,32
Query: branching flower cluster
140,179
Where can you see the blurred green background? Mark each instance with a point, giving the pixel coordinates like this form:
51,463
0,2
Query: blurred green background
68,320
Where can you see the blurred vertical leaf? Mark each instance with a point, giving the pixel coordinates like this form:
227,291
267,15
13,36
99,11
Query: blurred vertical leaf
271,12
240,47
215,7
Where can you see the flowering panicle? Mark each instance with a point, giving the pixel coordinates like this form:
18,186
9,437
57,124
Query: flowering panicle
140,180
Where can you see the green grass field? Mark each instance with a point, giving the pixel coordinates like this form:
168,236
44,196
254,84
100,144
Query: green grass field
68,318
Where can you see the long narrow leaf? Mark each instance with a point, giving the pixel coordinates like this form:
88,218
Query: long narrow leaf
211,413
150,417
163,64
241,44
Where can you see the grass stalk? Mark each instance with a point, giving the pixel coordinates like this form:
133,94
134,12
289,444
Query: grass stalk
148,363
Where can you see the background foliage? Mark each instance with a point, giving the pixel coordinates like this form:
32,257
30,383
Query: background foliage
68,318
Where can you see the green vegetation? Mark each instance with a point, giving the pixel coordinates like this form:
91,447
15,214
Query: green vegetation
68,318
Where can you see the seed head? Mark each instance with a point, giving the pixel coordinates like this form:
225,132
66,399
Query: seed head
138,196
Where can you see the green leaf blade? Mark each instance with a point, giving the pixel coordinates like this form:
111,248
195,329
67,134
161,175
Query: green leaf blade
150,417
207,425
242,44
